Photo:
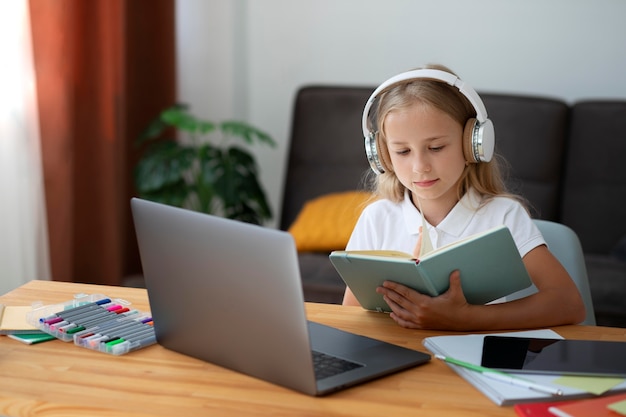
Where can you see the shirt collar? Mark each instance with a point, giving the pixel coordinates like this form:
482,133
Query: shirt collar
453,224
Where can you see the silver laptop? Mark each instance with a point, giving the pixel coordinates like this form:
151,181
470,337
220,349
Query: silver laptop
230,293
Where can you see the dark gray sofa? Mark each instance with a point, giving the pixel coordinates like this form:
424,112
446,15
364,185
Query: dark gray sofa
566,160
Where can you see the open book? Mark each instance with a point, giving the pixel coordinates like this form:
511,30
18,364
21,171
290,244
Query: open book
490,265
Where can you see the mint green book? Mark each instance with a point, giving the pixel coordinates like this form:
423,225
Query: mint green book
490,264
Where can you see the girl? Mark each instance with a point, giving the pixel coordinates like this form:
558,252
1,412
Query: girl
431,147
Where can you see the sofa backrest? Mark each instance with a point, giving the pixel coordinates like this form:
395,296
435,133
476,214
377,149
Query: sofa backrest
327,151
531,135
594,193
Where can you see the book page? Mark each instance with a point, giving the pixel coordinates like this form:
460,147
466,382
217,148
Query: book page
382,252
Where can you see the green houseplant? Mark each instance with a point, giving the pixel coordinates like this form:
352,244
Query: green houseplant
205,169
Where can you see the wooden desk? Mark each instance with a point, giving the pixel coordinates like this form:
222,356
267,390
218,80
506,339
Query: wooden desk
60,379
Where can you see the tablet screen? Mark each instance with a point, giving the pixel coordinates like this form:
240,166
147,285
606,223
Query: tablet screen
555,356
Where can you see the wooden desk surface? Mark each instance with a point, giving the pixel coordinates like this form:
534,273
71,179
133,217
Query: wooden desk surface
60,379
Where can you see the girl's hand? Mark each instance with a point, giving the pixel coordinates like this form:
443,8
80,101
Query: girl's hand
413,310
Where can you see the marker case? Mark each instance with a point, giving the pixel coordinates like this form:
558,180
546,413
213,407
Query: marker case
96,322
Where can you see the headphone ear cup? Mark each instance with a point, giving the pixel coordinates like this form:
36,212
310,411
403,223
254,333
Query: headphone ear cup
377,156
478,141
371,150
383,155
468,141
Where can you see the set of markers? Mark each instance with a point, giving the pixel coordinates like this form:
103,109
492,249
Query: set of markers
98,323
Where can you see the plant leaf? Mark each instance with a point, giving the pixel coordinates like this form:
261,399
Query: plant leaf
174,194
179,117
163,164
237,186
246,132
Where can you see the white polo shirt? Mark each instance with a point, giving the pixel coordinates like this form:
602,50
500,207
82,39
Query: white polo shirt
395,226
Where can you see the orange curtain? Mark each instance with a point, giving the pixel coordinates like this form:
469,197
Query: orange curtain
104,69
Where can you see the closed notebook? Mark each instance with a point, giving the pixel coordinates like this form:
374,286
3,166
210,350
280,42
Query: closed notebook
32,338
490,264
539,409
13,320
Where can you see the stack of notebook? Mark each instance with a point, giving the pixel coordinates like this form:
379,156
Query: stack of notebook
469,348
13,324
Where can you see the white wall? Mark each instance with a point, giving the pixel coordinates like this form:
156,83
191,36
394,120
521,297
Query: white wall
246,58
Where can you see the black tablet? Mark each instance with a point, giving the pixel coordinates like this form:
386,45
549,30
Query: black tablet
555,356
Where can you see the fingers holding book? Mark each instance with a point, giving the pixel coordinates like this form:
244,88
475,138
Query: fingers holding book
411,309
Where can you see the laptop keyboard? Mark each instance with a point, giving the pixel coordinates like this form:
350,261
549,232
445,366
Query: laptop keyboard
327,365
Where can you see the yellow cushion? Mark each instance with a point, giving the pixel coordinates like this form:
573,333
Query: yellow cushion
326,222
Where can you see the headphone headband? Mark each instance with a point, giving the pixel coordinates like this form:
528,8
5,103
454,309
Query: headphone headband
448,78
482,137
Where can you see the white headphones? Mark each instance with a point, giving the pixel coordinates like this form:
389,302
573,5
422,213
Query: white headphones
478,135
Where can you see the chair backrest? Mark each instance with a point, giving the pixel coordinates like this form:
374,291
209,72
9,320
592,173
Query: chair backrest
565,246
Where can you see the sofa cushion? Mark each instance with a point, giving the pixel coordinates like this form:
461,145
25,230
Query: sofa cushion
530,135
325,223
619,250
594,195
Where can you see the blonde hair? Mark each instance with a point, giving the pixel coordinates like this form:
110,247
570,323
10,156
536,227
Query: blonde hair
485,177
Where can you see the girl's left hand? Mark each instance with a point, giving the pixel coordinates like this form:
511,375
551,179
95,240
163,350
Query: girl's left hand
413,310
